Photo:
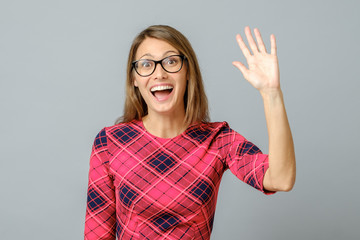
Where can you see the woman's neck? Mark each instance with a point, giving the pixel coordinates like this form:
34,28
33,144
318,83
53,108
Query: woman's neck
165,126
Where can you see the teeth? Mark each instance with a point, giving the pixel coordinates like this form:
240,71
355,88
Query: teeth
160,88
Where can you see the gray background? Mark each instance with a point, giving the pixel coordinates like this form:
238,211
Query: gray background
62,80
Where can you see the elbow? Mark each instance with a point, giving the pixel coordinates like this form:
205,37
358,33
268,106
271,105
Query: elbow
285,186
283,182
280,186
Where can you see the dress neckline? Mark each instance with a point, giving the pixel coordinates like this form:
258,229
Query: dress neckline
142,126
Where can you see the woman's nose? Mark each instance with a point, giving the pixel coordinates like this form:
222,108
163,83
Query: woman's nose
159,72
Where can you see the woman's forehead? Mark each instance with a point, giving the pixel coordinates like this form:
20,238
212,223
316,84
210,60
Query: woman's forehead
155,48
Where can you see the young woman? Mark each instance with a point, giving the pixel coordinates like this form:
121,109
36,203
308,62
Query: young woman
155,174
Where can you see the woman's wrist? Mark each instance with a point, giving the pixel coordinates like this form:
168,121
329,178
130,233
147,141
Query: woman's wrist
271,94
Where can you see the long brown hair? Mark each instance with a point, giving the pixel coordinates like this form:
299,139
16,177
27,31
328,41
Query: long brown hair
195,101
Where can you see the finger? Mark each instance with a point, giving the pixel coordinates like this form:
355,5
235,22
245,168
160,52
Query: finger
251,40
242,46
259,40
273,44
241,67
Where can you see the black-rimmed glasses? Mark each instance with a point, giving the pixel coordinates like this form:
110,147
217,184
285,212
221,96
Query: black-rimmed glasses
171,64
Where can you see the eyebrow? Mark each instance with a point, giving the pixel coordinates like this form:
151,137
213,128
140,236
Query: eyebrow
167,52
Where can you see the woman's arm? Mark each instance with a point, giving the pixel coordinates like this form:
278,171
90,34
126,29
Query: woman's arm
100,220
263,74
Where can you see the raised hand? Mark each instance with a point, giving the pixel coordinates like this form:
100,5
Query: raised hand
263,67
263,73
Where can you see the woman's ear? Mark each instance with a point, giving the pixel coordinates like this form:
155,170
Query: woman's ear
135,82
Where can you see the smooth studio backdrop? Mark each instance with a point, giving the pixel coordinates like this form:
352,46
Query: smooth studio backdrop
62,72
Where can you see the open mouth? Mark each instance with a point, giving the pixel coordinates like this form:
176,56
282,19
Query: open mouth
161,92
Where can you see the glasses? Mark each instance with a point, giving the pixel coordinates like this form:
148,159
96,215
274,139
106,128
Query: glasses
171,64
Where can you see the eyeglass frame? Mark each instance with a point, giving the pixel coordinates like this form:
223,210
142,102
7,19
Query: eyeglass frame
182,57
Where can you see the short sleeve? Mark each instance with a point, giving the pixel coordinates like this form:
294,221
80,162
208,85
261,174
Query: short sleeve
100,218
244,159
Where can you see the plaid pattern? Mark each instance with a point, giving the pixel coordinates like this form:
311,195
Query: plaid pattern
145,187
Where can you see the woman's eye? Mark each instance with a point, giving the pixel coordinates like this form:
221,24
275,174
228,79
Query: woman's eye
171,61
146,64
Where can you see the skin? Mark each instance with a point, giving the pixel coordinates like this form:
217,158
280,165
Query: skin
263,74
165,118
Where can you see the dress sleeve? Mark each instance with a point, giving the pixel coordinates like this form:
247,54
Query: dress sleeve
244,159
100,218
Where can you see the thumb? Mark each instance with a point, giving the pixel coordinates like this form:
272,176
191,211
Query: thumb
241,67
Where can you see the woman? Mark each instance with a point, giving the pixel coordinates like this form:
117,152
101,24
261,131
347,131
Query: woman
156,173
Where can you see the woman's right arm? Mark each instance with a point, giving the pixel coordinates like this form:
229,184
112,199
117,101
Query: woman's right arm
100,219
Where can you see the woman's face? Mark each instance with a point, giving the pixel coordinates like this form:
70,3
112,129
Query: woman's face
162,91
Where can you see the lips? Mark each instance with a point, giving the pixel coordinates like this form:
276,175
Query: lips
161,92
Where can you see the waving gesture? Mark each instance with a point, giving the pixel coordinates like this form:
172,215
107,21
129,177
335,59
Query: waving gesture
263,67
263,73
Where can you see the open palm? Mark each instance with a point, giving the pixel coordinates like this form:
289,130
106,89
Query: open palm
263,67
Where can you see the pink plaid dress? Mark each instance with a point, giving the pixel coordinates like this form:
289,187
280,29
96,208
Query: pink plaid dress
145,187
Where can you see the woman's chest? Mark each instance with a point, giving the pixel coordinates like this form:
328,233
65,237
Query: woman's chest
153,178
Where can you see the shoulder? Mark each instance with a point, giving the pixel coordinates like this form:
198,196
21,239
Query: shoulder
212,126
208,130
223,132
220,128
122,132
205,128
